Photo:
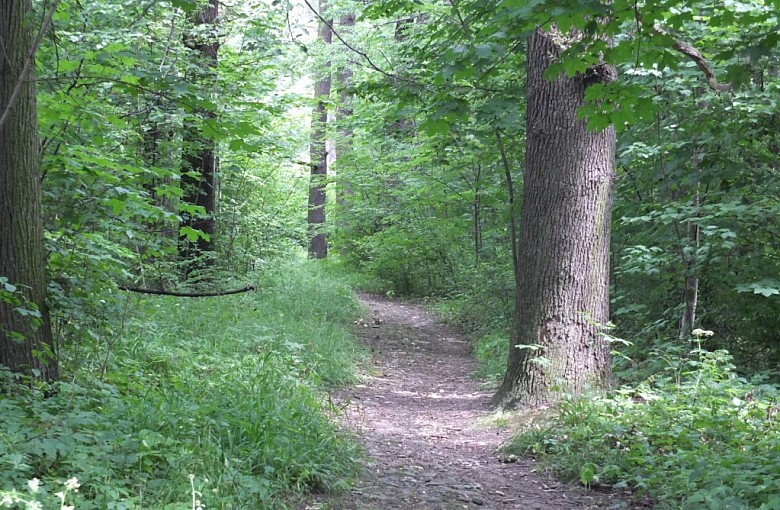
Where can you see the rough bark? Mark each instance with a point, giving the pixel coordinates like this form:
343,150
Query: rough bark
199,166
344,110
563,253
24,346
318,240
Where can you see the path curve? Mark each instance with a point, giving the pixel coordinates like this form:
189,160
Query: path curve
424,424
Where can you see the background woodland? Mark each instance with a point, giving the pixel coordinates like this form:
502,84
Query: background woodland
176,146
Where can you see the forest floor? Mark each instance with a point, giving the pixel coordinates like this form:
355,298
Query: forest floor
430,435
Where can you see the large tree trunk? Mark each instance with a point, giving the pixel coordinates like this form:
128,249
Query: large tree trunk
318,240
563,256
25,346
199,167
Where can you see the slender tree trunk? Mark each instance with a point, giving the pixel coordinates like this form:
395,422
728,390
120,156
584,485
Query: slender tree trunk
691,283
510,188
344,110
318,240
343,141
477,209
563,254
25,345
476,205
199,166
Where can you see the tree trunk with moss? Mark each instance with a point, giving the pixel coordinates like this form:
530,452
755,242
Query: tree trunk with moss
26,343
563,256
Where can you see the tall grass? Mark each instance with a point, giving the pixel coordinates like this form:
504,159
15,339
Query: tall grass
218,401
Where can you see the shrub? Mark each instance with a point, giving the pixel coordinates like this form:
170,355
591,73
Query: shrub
696,435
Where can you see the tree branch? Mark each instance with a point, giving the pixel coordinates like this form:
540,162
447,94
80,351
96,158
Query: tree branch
359,52
511,191
28,64
187,294
168,43
692,53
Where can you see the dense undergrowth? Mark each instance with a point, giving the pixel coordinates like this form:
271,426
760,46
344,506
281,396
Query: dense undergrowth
684,426
212,402
487,327
695,435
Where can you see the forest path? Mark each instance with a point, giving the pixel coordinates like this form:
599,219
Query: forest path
430,444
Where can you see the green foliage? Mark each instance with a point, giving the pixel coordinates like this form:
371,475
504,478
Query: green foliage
38,496
116,98
491,352
159,389
336,267
227,389
694,435
699,205
766,287
483,308
10,294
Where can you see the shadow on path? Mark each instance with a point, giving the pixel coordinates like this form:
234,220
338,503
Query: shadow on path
423,422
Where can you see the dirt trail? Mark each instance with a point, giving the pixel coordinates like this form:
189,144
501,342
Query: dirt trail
424,425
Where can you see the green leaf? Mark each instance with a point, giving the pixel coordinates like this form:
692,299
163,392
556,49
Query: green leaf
766,287
436,126
186,5
483,50
588,474
191,234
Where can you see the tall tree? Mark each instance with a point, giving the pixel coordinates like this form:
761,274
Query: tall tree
318,240
344,110
26,343
342,139
562,292
199,167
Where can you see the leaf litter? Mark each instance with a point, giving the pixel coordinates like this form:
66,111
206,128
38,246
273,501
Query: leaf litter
426,427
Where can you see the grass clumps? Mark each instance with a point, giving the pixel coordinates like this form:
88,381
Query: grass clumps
694,436
212,401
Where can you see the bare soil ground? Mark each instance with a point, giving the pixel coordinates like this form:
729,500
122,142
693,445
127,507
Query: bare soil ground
427,429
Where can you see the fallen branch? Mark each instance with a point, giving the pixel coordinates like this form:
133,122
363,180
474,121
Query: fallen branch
187,294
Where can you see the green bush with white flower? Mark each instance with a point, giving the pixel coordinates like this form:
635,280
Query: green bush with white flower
694,434
37,497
